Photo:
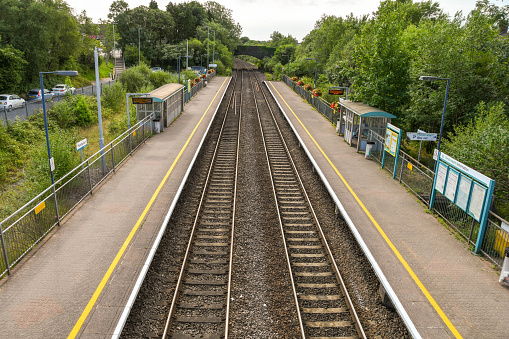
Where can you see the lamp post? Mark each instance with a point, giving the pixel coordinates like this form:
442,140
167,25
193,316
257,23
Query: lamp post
316,68
61,73
183,56
288,63
139,47
432,78
201,59
208,32
214,45
114,42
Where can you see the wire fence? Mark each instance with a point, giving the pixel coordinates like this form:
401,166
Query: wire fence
419,180
29,108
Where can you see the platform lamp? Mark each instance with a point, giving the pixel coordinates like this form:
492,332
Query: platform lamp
182,56
139,47
432,78
316,68
201,59
208,32
61,73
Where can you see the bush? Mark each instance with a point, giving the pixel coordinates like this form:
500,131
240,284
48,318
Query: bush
114,97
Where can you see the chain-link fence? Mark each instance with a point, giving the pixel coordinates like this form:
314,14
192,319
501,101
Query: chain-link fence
419,180
8,116
22,230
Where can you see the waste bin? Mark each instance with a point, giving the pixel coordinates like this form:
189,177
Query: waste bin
504,275
369,148
157,126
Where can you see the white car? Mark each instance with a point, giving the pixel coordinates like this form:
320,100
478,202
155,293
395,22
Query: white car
61,89
10,101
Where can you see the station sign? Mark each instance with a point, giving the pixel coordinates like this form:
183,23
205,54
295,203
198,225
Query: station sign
142,100
336,91
81,144
212,65
422,136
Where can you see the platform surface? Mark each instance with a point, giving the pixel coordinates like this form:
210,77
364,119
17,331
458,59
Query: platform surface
49,291
460,285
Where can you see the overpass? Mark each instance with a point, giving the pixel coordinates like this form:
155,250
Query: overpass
259,52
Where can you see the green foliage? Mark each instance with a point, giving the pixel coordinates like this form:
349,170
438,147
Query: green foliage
483,144
11,69
82,111
132,56
135,78
114,97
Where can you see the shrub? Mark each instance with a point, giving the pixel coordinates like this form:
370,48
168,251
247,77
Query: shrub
82,112
114,97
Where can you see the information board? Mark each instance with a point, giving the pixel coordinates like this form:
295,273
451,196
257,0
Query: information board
391,145
142,101
466,188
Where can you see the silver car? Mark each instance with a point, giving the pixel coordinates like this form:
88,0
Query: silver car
10,101
61,89
35,94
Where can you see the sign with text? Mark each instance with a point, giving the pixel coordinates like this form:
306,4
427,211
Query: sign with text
422,136
391,145
142,100
466,188
81,144
336,91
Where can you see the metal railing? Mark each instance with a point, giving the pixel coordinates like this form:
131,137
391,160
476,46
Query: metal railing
419,180
23,229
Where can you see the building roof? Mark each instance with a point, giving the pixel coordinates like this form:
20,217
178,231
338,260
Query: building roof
365,111
164,92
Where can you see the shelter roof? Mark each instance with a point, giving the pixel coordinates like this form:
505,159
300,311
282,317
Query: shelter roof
164,92
366,111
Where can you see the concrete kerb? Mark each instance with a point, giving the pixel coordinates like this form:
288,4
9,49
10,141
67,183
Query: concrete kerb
383,280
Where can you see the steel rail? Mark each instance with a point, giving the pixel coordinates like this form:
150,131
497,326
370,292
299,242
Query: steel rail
332,260
178,286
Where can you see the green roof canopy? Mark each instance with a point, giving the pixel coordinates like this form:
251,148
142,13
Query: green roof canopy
365,111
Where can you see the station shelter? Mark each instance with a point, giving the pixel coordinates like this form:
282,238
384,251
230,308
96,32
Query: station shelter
167,103
356,119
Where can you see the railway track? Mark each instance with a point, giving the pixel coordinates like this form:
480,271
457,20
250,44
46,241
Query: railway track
200,302
324,306
195,271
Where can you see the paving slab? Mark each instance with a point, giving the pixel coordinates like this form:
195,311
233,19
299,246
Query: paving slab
49,291
462,285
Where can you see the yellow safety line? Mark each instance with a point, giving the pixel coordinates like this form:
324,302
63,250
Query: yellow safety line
389,242
106,277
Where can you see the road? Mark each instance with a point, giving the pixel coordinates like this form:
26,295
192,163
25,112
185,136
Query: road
23,112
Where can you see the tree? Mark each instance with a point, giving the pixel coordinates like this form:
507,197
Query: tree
12,66
116,8
483,144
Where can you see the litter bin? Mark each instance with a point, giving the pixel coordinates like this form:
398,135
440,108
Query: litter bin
504,275
369,148
157,126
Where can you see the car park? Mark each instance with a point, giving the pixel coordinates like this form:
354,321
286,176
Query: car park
10,101
62,89
36,95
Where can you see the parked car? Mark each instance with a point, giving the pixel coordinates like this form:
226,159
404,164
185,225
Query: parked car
157,69
10,101
36,95
61,89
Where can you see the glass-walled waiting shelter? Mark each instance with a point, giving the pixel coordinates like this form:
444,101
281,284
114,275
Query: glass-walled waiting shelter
168,102
356,119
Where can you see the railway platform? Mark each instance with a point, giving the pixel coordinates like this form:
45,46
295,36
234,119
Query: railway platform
77,282
447,291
